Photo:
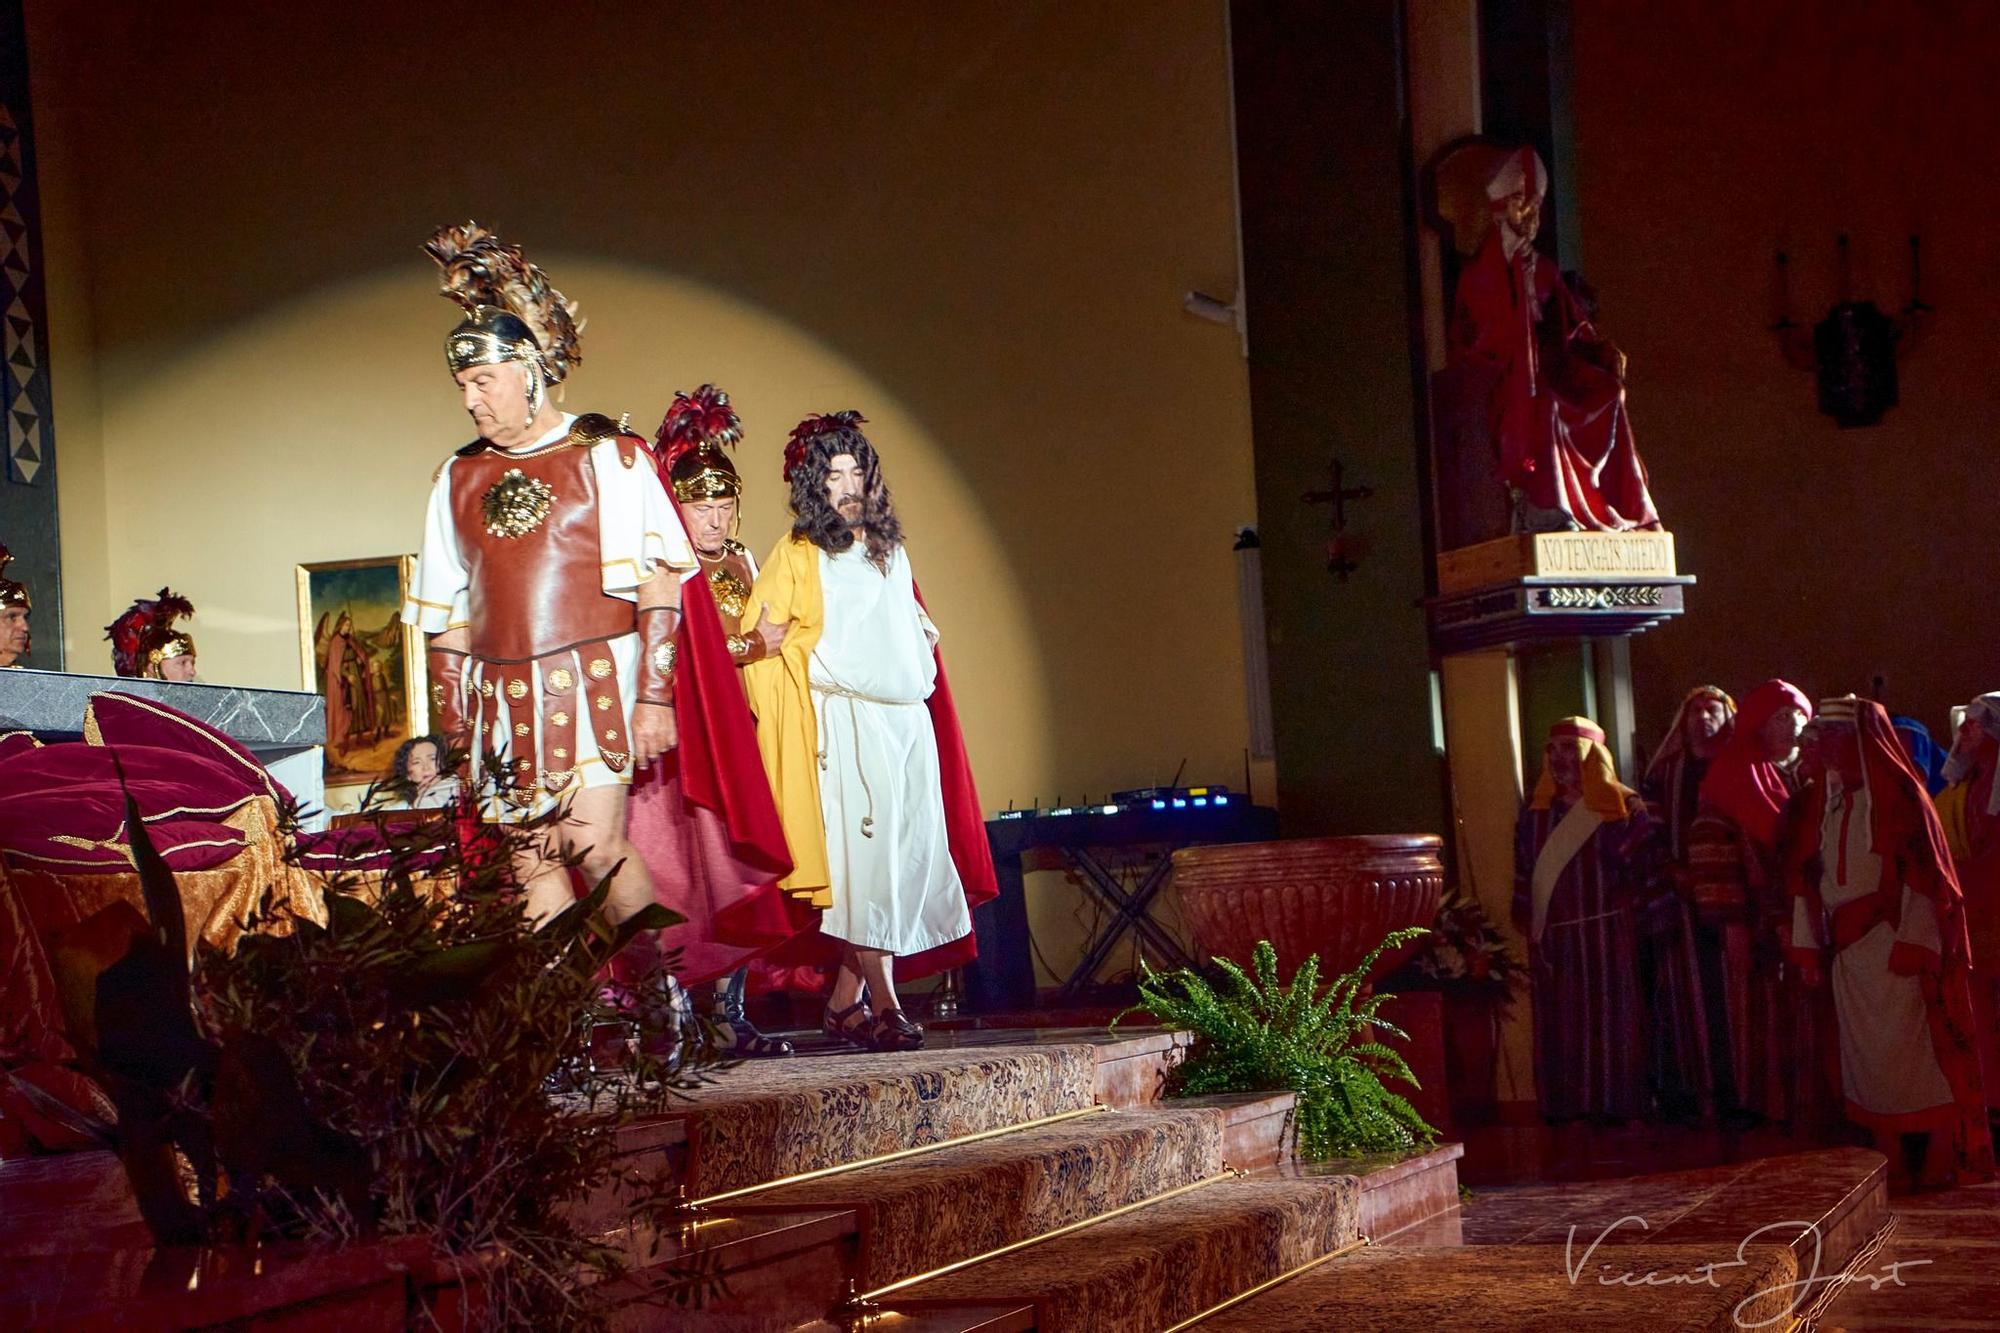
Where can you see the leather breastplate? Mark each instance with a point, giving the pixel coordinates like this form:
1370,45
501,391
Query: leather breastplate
729,580
527,527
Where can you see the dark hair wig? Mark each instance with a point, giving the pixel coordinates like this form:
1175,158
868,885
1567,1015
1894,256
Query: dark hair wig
816,443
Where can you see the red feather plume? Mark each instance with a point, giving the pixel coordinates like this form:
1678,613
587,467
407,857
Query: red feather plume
694,420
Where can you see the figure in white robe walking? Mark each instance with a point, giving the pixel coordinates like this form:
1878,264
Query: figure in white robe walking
847,731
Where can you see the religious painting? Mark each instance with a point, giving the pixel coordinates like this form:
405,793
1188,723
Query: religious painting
360,657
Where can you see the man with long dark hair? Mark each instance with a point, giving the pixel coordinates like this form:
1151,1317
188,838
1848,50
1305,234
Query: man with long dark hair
871,782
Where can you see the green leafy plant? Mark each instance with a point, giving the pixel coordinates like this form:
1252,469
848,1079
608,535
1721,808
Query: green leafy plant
1254,1034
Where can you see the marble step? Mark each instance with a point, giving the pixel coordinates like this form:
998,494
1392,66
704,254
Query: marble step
1153,1267
1751,1244
768,1119
1524,1289
925,1212
1823,1205
1399,1191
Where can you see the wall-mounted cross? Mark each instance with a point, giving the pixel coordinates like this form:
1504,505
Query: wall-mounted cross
1339,561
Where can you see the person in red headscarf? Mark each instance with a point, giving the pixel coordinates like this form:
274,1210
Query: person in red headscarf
1558,415
1579,876
1732,852
1878,915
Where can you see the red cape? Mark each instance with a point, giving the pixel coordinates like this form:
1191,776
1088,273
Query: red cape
703,819
965,830
1740,782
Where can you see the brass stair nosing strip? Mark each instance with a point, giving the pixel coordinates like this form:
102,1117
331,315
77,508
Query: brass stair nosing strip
1817,1308
1068,1228
1266,1285
901,1154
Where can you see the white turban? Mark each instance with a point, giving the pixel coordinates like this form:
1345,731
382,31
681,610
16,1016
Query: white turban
1511,177
1985,711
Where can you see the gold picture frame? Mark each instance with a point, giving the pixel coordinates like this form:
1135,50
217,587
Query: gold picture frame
352,610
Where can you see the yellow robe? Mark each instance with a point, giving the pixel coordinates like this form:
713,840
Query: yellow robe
1950,805
788,588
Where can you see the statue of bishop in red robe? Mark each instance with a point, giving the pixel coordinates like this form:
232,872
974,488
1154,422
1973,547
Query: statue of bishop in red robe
1557,415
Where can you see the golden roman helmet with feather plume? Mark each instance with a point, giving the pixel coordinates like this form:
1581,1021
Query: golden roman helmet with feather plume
12,593
512,313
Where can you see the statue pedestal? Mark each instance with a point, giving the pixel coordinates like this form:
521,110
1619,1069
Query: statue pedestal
1527,629
284,729
1554,585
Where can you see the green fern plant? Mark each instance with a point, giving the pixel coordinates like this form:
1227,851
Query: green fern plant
1253,1034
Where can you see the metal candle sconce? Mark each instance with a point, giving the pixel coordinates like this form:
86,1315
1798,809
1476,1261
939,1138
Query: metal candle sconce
1854,349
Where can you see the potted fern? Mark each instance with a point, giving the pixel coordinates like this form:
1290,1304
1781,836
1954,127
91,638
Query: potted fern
1253,1034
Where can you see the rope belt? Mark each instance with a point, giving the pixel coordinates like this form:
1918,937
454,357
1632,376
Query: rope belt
1586,920
835,690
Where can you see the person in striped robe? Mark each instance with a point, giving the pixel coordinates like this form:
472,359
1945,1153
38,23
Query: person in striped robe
1969,808
1582,862
1680,1052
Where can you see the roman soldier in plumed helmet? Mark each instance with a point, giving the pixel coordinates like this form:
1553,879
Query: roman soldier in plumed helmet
566,652
15,604
692,447
145,641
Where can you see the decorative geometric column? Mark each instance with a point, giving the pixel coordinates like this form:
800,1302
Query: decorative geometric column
28,518
26,392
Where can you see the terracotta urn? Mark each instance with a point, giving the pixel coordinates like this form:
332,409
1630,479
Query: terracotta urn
1335,897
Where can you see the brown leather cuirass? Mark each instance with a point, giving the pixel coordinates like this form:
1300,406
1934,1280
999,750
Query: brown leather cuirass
729,579
528,530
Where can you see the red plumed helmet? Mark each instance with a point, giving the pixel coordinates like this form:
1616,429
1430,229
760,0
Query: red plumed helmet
703,417
146,626
693,443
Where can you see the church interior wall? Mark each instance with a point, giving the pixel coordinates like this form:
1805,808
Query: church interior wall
1827,556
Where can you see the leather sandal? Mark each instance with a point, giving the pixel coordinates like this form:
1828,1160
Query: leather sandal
748,1041
744,1038
852,1024
892,1030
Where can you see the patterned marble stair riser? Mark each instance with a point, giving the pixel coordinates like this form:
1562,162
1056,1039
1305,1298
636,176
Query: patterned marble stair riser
929,1211
776,1118
1154,1267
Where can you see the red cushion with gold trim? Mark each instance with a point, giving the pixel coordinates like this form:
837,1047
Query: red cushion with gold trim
77,791
118,720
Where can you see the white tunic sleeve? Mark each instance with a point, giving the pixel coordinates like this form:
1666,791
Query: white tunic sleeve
1920,923
637,527
437,598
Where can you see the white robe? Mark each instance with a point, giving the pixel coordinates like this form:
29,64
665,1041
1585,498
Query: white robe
894,884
